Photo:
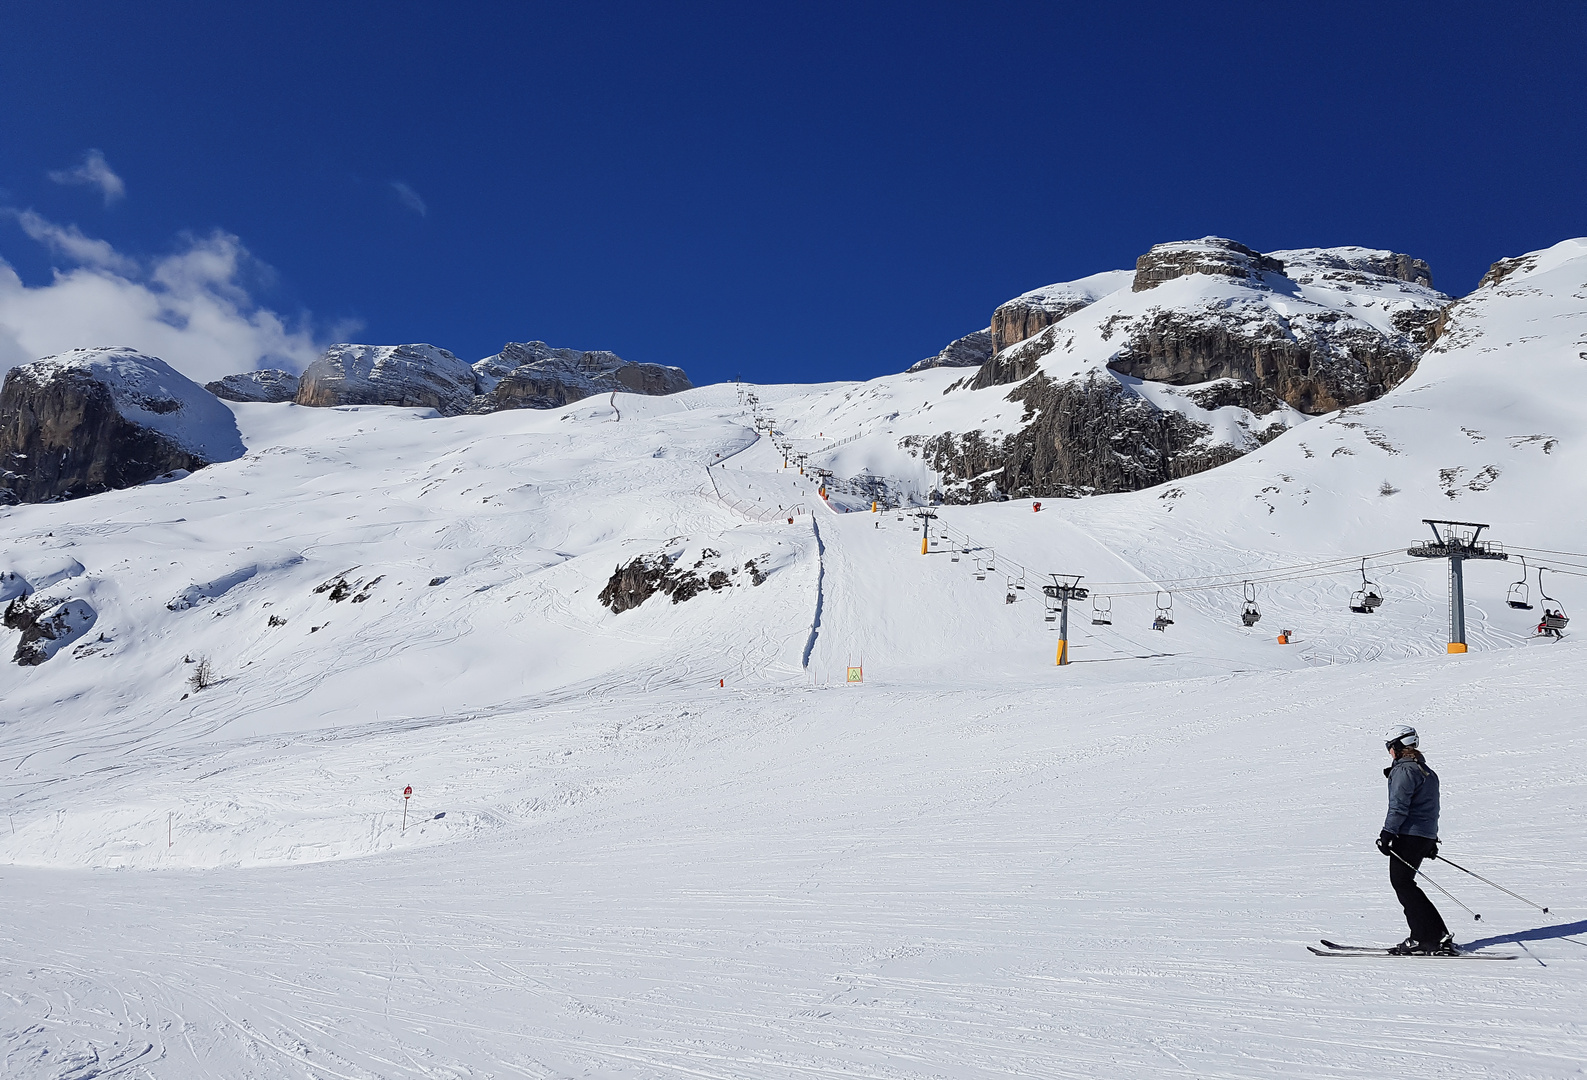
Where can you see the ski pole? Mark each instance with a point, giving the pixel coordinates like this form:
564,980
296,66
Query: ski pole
1434,884
1485,881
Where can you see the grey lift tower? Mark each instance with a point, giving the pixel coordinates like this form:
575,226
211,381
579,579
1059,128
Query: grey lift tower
1456,545
1065,587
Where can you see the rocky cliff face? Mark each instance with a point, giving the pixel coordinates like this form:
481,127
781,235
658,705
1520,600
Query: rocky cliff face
526,375
1210,255
1210,350
532,375
420,376
269,385
96,419
972,350
1029,314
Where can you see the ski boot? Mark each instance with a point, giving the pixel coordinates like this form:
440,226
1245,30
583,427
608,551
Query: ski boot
1409,947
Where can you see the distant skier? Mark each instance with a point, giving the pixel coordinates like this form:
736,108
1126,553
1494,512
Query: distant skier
1410,834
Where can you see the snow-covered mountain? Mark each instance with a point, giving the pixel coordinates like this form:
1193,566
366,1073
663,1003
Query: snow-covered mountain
1207,350
675,837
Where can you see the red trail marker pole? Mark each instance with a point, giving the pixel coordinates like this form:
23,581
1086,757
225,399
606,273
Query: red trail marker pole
407,793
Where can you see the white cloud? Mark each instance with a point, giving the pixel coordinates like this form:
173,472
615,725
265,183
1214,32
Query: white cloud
68,241
410,198
190,308
95,172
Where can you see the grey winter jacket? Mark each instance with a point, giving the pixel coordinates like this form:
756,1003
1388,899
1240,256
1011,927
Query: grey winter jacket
1413,798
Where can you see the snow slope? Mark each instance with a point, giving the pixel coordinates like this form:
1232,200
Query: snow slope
675,842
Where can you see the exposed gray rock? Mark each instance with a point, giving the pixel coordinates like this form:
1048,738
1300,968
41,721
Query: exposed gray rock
1345,264
415,375
972,350
1209,255
1083,437
48,624
268,384
92,420
532,375
644,577
1031,313
1316,361
1348,326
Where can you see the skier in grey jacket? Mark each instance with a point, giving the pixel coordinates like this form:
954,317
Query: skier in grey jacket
1410,834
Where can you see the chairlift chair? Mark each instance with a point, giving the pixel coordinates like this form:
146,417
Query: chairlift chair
1519,596
1101,611
980,570
1554,618
1052,609
1250,614
1165,611
1368,598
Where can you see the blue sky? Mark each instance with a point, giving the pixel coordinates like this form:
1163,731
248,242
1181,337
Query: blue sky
787,193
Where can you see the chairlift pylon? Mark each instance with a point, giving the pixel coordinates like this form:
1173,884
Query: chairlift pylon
1519,596
1250,614
1368,598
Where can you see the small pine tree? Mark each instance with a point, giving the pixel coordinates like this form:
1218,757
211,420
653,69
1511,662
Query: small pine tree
203,676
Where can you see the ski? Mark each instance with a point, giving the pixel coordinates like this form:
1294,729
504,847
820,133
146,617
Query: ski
1365,953
1351,948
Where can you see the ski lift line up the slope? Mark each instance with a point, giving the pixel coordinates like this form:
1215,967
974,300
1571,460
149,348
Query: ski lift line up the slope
1364,600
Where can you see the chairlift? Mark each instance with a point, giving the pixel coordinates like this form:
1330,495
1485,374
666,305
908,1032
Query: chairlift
1368,598
991,560
980,570
956,553
1165,611
1519,596
1052,608
1020,584
1554,618
1102,611
1250,614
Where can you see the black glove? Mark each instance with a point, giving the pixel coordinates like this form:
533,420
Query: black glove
1433,854
1386,841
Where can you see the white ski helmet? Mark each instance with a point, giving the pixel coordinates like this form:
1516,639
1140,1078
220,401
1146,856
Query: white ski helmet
1400,735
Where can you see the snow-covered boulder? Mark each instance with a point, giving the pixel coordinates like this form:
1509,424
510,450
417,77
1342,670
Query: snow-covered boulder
408,375
532,375
48,623
92,420
972,350
268,384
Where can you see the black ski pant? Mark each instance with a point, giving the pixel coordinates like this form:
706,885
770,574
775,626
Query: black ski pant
1427,925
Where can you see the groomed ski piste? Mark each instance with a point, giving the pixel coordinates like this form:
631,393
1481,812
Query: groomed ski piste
677,841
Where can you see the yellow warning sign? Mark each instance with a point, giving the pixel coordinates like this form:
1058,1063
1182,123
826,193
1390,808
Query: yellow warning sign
856,674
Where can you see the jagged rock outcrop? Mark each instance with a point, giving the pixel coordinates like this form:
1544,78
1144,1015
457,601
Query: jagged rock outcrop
1316,361
48,624
631,585
1351,266
93,420
532,375
415,375
1306,331
972,350
268,385
1030,313
1210,255
1082,437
